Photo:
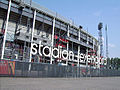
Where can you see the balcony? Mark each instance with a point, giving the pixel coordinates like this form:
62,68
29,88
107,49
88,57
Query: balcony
78,42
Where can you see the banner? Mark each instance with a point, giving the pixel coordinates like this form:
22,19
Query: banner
7,67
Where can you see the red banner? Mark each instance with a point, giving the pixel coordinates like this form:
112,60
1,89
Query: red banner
7,67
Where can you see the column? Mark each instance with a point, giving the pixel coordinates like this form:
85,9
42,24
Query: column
52,43
94,49
98,64
87,57
68,34
93,44
79,47
6,28
32,34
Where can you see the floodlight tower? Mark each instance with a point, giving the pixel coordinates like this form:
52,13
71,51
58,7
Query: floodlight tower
100,26
106,42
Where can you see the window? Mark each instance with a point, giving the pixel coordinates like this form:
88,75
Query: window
27,37
44,41
38,32
35,39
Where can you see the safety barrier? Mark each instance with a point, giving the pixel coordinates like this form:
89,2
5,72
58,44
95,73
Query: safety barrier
27,69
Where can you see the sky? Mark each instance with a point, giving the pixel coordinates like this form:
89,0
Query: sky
89,13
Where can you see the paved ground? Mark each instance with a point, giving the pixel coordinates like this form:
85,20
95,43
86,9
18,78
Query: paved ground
96,83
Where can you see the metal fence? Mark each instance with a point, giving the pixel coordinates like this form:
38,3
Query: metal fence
21,69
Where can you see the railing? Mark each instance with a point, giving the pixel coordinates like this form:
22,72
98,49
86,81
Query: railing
17,68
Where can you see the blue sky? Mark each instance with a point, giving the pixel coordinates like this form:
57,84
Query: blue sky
89,13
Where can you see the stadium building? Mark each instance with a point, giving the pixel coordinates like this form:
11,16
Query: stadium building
23,22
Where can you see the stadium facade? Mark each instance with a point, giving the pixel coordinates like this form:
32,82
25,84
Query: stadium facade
23,22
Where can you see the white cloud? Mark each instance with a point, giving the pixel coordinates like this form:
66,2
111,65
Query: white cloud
97,14
103,39
116,9
104,43
111,45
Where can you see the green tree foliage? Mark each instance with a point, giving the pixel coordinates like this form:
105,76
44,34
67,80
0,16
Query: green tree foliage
113,63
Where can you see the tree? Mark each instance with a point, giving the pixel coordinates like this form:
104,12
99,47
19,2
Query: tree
113,63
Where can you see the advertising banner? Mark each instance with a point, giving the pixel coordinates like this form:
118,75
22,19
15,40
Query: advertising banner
7,67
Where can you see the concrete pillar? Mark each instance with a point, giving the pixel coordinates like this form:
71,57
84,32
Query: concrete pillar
93,44
32,35
68,34
98,65
78,48
6,28
52,43
87,53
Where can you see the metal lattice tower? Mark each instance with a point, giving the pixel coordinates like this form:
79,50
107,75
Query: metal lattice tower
106,42
100,26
